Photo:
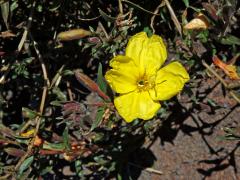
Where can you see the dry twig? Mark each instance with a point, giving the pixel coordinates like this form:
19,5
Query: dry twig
174,18
43,99
231,92
150,170
120,7
139,7
153,17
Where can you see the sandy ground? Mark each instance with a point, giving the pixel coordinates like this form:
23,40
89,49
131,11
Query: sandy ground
189,145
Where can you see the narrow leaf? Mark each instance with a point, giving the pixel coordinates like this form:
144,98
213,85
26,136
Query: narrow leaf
28,113
100,79
106,17
90,84
186,2
5,131
14,152
60,95
73,34
66,139
53,146
99,117
5,12
26,164
230,40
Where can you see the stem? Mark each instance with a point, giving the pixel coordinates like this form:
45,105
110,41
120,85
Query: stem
231,92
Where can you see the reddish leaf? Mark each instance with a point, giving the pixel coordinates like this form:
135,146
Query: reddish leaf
6,131
90,84
14,152
211,10
230,70
50,152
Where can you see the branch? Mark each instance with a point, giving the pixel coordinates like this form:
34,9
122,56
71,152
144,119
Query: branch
231,92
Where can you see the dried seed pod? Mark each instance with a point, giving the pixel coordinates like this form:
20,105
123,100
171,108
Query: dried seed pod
73,34
200,22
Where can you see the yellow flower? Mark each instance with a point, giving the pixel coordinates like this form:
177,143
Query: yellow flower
140,82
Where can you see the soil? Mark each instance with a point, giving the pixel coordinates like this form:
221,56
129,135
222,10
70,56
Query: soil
189,145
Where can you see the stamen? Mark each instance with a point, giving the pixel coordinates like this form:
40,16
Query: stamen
144,84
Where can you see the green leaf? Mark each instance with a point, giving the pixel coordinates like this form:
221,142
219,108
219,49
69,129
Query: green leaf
100,79
212,103
91,29
99,137
39,8
46,170
99,116
5,12
106,17
53,146
13,6
79,169
186,2
230,40
56,4
56,103
67,72
148,31
66,139
119,176
28,113
60,95
26,164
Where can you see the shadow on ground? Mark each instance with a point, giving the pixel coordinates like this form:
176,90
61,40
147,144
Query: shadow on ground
188,144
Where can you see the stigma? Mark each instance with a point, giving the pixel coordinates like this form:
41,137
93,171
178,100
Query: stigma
144,84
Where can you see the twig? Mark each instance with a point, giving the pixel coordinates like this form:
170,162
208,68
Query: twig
231,92
233,86
56,77
44,69
120,7
25,126
83,19
23,39
89,19
9,142
2,79
104,30
173,17
43,99
69,91
150,170
214,73
153,17
5,177
234,59
139,7
29,150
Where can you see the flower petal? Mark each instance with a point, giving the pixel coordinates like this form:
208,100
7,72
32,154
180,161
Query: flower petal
123,77
169,81
147,53
136,105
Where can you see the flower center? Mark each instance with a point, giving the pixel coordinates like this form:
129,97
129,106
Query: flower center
144,84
